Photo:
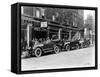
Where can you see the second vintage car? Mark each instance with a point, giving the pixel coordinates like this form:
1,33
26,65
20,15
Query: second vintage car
71,45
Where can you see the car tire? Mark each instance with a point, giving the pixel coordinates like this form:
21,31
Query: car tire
82,46
67,47
77,46
38,52
56,49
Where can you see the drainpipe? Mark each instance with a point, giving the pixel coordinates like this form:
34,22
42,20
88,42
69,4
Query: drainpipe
48,32
59,34
70,32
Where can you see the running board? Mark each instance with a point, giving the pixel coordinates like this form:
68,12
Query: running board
46,51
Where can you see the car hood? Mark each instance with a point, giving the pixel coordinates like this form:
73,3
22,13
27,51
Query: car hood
38,45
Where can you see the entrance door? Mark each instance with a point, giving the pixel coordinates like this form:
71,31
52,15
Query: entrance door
40,34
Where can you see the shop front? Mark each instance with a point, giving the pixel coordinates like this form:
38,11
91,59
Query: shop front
40,29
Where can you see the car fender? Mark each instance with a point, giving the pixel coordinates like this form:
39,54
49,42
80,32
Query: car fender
66,43
81,41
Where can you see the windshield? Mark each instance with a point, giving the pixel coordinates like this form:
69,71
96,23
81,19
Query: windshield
54,37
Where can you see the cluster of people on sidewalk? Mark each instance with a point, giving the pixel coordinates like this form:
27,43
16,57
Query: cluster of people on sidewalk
35,41
41,40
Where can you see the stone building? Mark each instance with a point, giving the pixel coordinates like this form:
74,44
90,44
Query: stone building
32,17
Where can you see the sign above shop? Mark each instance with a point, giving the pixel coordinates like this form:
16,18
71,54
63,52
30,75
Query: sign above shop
44,24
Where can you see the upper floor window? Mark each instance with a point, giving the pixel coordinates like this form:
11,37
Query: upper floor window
38,13
27,11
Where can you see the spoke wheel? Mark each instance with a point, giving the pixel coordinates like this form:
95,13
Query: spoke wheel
67,47
56,49
38,52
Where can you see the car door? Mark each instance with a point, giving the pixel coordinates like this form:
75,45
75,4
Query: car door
50,45
45,46
73,44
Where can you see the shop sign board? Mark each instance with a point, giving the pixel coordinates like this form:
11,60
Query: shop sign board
44,24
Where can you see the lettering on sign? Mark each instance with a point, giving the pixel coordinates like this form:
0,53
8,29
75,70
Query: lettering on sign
43,24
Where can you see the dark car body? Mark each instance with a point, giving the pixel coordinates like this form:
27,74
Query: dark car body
76,44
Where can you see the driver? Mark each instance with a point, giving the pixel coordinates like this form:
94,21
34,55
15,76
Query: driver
48,40
36,42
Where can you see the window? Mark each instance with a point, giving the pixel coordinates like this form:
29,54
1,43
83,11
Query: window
37,13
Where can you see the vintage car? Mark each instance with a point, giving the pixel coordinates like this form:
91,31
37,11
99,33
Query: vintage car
77,44
45,47
70,45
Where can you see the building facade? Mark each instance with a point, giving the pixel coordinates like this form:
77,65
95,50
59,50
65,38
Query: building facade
75,18
33,17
